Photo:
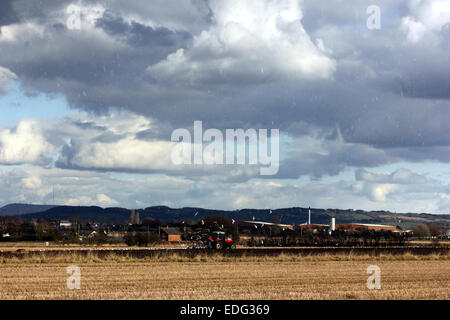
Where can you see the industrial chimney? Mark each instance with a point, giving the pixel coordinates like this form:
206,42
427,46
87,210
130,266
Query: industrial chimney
333,224
309,215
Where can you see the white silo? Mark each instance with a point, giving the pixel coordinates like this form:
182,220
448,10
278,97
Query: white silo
333,224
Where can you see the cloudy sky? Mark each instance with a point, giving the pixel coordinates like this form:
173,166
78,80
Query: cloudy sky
87,109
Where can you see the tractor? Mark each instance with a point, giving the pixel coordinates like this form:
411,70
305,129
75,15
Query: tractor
219,241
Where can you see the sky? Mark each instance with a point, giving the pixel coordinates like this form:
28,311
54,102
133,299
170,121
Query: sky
89,101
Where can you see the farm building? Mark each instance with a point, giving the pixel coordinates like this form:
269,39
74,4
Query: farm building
170,234
316,227
313,226
355,226
259,224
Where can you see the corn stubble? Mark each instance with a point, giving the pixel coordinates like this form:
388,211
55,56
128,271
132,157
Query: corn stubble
283,277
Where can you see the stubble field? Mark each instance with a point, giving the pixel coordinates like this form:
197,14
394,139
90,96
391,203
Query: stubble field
326,277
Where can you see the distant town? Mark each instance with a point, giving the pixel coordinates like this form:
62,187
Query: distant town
194,231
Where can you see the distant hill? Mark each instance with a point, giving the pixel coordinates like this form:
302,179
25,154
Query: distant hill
17,209
295,215
92,213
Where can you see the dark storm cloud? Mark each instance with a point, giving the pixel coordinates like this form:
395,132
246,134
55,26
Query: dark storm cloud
139,35
94,71
433,83
79,56
88,125
334,158
39,11
185,15
7,13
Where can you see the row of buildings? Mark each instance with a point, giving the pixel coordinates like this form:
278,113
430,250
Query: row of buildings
324,227
316,227
174,234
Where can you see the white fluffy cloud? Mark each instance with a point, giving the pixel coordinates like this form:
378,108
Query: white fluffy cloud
110,143
32,182
21,32
99,200
255,41
90,188
24,144
128,153
427,16
103,143
376,192
403,189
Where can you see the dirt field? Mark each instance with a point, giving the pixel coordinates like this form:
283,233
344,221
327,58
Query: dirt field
274,278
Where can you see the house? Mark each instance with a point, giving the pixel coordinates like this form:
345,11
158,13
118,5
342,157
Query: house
170,234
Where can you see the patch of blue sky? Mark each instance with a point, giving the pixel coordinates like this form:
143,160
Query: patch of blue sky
16,105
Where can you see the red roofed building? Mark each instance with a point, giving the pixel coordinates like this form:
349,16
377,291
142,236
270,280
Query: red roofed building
355,226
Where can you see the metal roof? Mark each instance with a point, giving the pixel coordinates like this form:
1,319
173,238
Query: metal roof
171,230
267,223
369,224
